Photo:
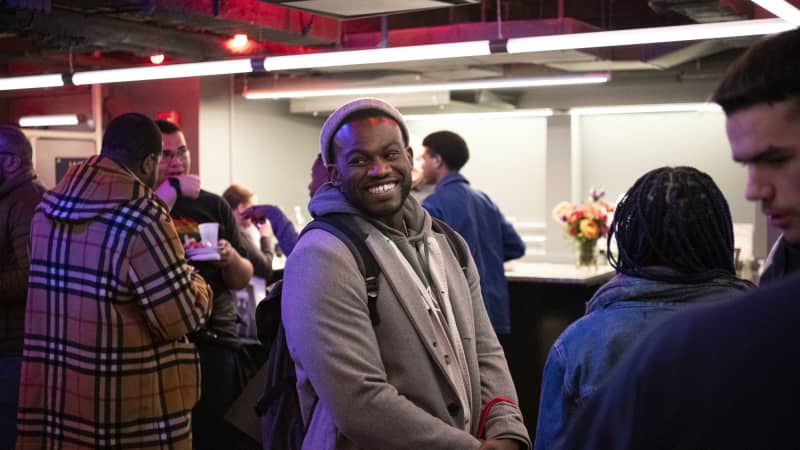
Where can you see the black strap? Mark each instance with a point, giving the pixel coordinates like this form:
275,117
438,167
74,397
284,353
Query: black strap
452,239
343,226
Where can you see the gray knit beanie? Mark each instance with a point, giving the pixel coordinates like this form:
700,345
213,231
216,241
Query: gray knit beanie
343,114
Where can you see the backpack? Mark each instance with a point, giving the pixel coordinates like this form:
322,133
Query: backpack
282,425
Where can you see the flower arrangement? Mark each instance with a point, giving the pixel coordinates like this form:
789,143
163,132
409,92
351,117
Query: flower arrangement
585,223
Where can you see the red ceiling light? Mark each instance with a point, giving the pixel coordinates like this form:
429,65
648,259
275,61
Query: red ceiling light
157,58
238,43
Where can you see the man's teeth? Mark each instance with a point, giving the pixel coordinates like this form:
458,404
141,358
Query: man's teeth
382,188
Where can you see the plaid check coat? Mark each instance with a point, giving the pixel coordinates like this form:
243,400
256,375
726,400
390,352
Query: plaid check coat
105,361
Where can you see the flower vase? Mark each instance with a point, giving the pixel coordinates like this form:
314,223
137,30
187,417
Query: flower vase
587,254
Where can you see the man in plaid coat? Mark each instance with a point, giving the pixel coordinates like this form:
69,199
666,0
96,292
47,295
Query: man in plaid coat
105,362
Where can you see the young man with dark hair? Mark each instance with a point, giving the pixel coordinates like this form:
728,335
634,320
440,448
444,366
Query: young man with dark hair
491,238
218,341
20,192
420,375
725,376
762,102
106,362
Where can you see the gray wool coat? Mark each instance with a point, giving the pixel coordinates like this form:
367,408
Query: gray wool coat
385,387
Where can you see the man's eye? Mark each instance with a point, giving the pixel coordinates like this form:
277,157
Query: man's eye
357,161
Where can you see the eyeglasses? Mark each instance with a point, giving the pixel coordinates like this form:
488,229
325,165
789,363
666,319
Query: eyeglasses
179,153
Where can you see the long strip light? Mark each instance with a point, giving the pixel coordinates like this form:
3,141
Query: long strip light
378,55
637,36
31,82
424,52
502,83
49,120
782,9
200,69
543,112
649,108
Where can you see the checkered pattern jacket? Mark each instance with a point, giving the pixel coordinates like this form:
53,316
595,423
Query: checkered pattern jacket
105,361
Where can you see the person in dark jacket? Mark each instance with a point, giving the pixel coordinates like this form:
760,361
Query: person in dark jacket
20,192
491,238
675,249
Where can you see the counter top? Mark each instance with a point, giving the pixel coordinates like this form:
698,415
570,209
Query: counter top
557,273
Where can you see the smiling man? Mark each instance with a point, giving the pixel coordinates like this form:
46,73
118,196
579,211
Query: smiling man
761,98
420,376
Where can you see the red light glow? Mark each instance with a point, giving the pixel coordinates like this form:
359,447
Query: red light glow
238,43
157,58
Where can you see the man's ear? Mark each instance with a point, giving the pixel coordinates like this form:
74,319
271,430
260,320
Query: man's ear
12,163
150,163
334,177
410,154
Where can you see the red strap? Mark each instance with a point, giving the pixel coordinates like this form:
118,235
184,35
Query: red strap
485,413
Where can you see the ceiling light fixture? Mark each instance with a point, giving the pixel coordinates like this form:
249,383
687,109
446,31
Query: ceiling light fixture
543,112
31,82
636,36
238,43
157,58
651,108
378,55
499,83
201,69
782,9
49,120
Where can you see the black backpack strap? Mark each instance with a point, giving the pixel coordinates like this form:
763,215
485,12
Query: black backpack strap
343,226
452,239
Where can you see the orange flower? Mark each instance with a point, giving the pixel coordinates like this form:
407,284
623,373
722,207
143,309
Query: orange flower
589,229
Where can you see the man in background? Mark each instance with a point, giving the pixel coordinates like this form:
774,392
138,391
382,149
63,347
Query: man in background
491,238
725,377
217,342
106,362
20,192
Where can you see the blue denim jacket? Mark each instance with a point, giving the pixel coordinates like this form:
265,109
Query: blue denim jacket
620,312
491,239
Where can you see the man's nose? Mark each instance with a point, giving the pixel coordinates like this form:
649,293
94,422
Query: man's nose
379,166
758,187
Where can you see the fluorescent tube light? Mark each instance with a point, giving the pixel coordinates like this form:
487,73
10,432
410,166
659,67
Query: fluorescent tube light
500,83
201,69
377,55
782,9
49,120
654,35
31,82
652,108
543,112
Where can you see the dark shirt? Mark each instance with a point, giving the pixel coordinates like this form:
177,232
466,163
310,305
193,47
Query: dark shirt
718,377
18,199
785,261
187,214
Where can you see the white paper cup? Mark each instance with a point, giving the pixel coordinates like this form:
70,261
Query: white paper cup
209,233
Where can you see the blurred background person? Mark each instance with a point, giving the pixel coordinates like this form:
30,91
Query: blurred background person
256,238
491,238
674,236
20,192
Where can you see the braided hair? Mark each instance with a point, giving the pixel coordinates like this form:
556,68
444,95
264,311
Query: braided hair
674,218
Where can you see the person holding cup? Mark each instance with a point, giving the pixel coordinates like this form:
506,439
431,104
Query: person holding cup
218,342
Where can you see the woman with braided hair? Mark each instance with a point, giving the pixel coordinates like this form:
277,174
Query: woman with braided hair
674,239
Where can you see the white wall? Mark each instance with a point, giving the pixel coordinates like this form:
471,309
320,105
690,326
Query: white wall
256,144
507,159
619,148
